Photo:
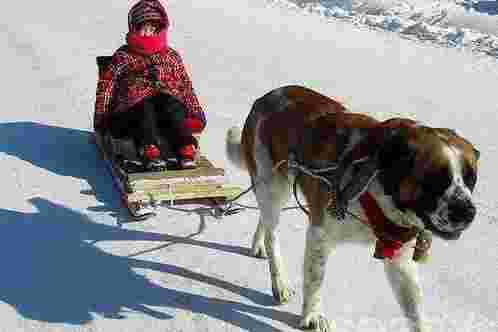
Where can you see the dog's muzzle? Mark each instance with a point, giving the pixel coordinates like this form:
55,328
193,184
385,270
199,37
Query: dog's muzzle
460,213
445,235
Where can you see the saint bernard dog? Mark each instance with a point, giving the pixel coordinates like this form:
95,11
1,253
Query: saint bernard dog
396,179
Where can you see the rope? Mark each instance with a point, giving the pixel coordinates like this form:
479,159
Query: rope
294,191
314,173
229,210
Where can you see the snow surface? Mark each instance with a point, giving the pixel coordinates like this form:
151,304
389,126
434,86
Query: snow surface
68,267
453,23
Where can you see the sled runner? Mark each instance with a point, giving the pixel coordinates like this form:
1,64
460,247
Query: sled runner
141,192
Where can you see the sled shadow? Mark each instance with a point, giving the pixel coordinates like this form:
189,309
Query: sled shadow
63,151
52,272
69,152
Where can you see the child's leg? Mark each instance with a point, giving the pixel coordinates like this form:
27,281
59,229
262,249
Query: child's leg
137,123
148,130
122,130
155,129
123,125
171,116
141,123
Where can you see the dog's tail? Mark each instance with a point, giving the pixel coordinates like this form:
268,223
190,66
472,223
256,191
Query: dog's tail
233,147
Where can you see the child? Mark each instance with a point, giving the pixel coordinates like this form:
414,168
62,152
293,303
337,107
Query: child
146,93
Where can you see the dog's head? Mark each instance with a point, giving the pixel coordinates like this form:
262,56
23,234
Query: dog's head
432,171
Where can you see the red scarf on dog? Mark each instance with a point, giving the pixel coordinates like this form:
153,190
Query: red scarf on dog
146,45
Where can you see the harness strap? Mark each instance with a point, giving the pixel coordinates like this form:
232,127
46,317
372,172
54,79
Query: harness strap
327,171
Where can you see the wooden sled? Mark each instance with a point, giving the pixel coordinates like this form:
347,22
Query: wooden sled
142,192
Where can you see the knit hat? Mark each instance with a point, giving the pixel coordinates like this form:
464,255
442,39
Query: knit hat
147,10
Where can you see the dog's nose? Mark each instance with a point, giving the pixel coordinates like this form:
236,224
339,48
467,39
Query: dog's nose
462,211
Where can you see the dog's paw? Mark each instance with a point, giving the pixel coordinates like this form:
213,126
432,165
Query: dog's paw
281,292
317,322
258,250
422,326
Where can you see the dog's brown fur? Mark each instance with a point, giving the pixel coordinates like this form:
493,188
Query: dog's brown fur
294,117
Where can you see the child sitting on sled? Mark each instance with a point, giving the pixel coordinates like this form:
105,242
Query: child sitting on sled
146,94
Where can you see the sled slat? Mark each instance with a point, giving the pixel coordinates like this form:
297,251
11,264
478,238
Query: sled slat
182,187
164,183
176,194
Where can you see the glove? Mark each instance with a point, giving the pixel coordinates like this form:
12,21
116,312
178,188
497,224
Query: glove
193,124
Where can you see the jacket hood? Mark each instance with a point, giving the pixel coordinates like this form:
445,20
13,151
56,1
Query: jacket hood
147,10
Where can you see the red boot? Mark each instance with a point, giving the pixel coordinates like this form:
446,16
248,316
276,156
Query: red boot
152,160
151,152
187,156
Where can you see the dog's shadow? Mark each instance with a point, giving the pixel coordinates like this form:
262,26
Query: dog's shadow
52,272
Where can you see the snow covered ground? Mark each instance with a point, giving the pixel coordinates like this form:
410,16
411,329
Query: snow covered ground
453,23
66,266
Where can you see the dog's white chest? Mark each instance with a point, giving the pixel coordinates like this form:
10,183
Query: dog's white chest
354,228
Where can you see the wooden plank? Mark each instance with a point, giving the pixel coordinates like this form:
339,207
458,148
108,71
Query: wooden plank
206,173
169,176
183,187
165,183
222,191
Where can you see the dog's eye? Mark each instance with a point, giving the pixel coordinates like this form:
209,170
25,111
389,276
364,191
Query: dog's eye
470,179
435,185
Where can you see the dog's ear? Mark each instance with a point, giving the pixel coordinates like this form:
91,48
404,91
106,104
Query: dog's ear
388,154
395,157
394,149
358,167
356,178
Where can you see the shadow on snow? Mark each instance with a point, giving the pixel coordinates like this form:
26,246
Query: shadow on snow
63,151
53,273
